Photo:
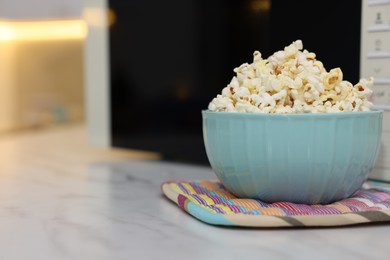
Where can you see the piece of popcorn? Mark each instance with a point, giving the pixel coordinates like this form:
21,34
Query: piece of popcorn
357,105
346,106
243,106
280,109
234,83
256,56
226,92
329,96
267,110
242,92
307,108
256,82
220,103
367,105
298,106
332,109
309,97
334,77
318,109
298,83
363,88
297,94
280,95
275,84
247,83
266,100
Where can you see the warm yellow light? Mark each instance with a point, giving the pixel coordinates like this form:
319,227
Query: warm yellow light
6,33
111,17
42,30
260,5
99,17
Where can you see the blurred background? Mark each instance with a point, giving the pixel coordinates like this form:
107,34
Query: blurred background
41,63
140,72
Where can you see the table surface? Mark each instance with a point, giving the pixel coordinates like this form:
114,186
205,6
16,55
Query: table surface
61,199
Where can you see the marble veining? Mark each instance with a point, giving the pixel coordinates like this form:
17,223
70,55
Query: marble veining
61,199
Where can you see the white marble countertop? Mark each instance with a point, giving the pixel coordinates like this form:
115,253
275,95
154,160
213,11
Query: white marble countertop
60,199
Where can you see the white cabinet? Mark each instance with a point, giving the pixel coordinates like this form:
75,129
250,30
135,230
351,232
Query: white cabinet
375,61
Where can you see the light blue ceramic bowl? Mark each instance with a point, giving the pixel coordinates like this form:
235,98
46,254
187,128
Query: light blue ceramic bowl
301,158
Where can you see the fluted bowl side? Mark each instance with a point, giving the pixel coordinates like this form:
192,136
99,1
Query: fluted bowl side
301,158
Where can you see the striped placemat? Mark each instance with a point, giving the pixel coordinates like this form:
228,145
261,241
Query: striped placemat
210,202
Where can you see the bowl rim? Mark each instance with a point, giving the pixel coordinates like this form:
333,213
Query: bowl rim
372,112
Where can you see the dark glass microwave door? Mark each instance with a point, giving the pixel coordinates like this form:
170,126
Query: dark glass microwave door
168,59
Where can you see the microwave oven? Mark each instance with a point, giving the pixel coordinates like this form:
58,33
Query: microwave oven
152,66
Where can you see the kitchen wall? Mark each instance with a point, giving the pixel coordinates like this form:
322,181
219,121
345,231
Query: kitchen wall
41,63
40,9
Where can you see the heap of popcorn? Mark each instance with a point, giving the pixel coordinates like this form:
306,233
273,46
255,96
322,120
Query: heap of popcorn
289,82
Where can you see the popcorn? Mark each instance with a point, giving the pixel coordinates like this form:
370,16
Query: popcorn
291,81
